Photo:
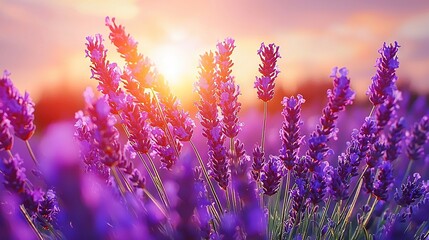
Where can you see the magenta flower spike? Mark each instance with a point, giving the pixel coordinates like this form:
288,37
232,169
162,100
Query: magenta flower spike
6,139
19,109
269,70
384,82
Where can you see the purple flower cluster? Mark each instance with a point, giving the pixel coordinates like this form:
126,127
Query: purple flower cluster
384,82
103,193
212,127
19,109
418,138
228,91
271,174
289,133
269,70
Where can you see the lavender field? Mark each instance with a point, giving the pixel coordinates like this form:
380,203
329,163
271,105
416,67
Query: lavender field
137,164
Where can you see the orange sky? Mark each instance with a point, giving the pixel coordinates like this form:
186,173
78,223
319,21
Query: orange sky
42,42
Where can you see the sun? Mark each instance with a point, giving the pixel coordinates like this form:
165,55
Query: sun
170,62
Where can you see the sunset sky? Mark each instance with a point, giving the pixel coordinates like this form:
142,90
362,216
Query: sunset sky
42,42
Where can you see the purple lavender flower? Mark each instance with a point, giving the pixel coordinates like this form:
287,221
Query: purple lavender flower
376,154
228,102
105,134
339,97
19,109
289,133
258,162
368,180
14,174
384,82
138,66
418,138
269,70
319,180
6,139
207,112
384,180
16,182
228,91
219,167
137,126
271,174
48,208
386,112
108,74
89,152
164,149
410,191
394,138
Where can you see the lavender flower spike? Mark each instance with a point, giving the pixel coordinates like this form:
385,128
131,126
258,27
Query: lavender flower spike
228,91
271,174
6,139
269,70
289,133
384,180
383,83
19,109
258,162
410,191
418,138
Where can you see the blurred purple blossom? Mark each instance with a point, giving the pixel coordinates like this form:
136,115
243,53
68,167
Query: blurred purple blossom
417,139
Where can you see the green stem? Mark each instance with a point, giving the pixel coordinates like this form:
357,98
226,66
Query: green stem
410,164
206,176
167,130
285,205
159,182
30,150
264,126
28,218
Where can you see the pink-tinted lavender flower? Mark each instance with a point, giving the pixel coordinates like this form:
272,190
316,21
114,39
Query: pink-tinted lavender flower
258,162
163,148
289,133
410,191
19,109
137,125
6,139
207,112
394,139
269,70
108,74
105,134
223,61
218,162
384,180
139,66
384,82
271,174
89,152
228,91
418,138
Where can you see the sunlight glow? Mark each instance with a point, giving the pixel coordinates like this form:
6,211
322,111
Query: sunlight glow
171,62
